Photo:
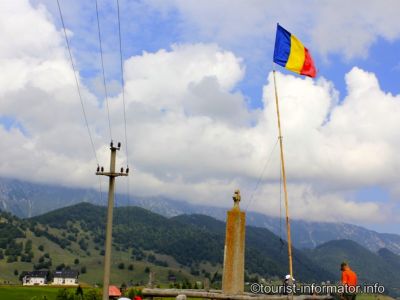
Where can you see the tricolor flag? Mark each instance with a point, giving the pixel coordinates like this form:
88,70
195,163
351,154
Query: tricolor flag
290,53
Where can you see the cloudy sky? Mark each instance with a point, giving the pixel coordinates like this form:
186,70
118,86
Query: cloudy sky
201,117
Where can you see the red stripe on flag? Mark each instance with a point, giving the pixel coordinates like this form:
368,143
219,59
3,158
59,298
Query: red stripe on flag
308,66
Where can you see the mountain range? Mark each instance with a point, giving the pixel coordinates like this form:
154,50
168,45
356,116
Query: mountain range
26,199
188,245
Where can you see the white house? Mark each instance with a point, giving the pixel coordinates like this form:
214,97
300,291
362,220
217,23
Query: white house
65,277
35,278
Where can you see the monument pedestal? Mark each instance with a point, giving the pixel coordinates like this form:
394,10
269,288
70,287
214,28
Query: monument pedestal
233,274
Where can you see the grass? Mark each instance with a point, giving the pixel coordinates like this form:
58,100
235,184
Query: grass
28,293
94,264
373,297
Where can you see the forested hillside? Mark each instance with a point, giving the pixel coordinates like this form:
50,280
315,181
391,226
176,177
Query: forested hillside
370,267
189,247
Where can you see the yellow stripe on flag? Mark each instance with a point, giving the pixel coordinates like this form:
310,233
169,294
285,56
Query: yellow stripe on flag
297,55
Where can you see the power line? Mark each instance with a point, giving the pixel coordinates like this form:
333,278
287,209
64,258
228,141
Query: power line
123,100
122,81
102,67
77,83
261,175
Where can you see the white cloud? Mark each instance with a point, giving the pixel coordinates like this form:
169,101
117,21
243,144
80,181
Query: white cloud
347,28
308,204
172,71
358,25
191,134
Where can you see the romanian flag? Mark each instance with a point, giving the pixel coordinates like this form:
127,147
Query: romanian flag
290,53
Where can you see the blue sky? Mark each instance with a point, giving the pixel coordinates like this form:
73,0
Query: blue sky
146,28
368,39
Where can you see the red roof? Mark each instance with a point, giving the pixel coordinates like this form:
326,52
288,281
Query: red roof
113,291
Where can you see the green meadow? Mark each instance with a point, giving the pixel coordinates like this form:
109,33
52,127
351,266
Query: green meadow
18,292
28,293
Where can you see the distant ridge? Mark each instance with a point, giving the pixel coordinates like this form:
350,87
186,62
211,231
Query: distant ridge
26,199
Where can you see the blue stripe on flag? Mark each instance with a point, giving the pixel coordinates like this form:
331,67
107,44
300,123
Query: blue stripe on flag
282,46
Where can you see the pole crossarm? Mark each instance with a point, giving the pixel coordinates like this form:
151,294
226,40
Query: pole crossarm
109,174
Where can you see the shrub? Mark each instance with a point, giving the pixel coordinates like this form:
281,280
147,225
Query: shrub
133,292
60,267
92,295
12,258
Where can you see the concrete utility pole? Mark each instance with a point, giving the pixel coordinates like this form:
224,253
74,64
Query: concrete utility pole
111,174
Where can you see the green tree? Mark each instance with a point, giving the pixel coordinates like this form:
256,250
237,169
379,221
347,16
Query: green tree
83,269
79,291
151,258
76,261
123,287
92,294
41,248
121,266
62,294
184,285
28,246
82,244
133,292
60,267
12,258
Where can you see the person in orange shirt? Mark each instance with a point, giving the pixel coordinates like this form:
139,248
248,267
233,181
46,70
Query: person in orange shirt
349,278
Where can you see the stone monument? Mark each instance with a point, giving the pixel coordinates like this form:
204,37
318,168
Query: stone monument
233,274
